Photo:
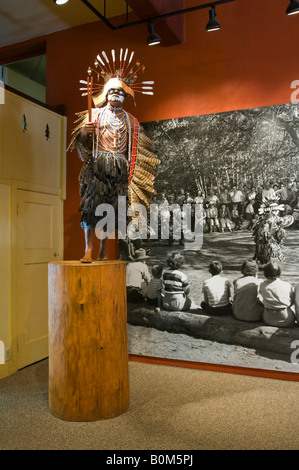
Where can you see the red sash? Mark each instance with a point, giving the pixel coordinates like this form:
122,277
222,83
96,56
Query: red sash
134,150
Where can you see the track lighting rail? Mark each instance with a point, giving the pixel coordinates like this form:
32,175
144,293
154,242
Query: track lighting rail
213,24
152,18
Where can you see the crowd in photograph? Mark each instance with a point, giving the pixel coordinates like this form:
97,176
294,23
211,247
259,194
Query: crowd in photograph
237,207
269,299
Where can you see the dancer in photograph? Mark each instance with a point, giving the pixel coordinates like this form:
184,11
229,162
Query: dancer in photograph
269,232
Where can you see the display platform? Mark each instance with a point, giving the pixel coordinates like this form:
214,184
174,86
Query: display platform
88,346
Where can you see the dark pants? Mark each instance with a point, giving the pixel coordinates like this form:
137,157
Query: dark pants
225,310
153,301
134,294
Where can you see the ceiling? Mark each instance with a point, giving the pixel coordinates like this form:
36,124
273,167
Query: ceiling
19,22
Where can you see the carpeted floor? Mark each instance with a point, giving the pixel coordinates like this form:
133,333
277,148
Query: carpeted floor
171,408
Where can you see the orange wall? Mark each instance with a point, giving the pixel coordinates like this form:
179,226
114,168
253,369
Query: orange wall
250,62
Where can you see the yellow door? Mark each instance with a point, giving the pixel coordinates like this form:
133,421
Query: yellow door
38,241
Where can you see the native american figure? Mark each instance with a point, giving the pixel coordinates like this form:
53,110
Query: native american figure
269,232
118,156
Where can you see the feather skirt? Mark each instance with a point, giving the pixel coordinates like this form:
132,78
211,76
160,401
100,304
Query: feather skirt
101,181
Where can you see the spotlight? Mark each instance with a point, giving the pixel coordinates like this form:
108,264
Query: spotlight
60,2
153,38
293,8
213,24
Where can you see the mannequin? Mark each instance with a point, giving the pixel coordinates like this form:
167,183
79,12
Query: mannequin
117,155
111,137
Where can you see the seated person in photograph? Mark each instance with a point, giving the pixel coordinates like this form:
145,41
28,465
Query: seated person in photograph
188,199
181,197
212,198
154,287
212,217
282,193
268,192
258,200
224,197
138,277
237,197
291,197
199,198
236,218
217,292
296,301
295,215
249,214
246,305
277,297
224,217
175,287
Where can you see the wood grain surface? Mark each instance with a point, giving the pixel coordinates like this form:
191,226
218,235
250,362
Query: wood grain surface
88,347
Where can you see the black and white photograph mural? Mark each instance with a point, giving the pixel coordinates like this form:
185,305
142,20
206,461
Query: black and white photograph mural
231,297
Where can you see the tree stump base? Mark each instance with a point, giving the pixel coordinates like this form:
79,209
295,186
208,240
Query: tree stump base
88,343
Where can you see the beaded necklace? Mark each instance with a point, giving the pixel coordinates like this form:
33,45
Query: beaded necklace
99,117
113,129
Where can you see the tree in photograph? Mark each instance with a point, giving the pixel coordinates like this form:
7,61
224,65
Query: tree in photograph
249,147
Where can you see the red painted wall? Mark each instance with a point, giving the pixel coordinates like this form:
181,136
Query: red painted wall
250,62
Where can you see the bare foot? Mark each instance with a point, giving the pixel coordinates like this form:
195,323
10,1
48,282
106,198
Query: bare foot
87,257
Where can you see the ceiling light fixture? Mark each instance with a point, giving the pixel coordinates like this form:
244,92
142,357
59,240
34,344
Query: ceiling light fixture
152,18
153,38
213,24
293,8
60,2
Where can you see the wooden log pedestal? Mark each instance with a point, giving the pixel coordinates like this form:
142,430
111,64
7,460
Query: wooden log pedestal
88,346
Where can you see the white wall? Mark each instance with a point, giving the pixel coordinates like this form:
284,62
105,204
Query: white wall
24,85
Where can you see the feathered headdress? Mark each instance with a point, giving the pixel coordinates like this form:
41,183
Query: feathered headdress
120,75
270,204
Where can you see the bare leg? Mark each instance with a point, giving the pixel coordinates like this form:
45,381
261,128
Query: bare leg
103,250
89,237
